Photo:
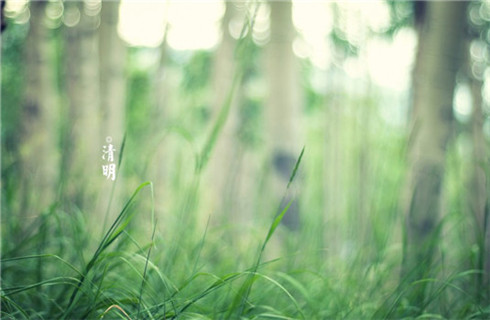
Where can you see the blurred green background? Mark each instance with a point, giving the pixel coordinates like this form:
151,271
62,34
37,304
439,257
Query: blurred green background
215,211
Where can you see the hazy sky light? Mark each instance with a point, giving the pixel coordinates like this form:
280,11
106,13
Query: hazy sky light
196,25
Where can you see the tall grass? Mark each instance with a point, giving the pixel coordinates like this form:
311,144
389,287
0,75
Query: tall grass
46,276
339,265
108,282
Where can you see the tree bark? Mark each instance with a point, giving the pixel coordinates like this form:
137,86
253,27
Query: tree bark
39,155
83,147
112,80
283,106
3,23
441,42
477,189
112,58
222,162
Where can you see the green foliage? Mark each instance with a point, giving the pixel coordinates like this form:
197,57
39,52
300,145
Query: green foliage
96,288
249,131
167,254
314,100
402,15
479,20
12,81
346,47
218,125
139,103
11,101
197,71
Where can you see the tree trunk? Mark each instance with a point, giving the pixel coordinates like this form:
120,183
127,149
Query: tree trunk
161,164
112,80
223,160
38,152
477,189
112,54
441,41
283,106
83,147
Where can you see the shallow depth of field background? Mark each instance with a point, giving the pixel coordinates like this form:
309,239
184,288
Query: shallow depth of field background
216,213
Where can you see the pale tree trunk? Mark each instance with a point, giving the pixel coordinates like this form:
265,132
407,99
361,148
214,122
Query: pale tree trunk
160,85
477,190
283,107
334,164
165,165
224,155
39,155
83,148
112,80
441,42
112,54
160,164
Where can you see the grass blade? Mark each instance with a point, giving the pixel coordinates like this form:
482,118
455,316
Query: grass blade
143,281
116,229
246,288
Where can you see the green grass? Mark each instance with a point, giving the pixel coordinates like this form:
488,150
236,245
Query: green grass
180,262
120,279
46,274
123,280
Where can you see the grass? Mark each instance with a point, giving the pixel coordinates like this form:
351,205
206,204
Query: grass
45,275
122,280
102,286
338,265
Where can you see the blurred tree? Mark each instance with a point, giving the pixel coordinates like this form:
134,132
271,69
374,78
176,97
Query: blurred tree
39,156
12,94
283,105
224,67
83,145
112,53
2,16
476,63
441,28
478,187
160,90
112,61
233,168
160,166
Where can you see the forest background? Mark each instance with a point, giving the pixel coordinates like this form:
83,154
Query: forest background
284,160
